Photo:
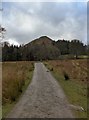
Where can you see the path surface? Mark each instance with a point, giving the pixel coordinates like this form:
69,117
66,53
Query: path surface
44,98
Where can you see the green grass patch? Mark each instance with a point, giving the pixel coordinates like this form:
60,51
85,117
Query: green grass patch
7,108
83,57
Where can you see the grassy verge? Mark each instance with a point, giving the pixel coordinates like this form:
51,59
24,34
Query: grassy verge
75,89
17,76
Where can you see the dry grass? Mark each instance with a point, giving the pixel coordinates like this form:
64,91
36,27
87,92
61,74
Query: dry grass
76,86
14,77
76,69
0,90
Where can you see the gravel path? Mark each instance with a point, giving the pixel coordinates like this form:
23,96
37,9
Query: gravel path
44,98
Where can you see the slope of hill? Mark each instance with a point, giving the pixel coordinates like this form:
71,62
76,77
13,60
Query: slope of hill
42,48
42,40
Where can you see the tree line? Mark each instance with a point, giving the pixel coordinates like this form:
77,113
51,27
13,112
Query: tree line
43,52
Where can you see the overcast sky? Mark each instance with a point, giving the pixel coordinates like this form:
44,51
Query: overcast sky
25,21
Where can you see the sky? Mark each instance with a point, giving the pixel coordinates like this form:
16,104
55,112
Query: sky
26,21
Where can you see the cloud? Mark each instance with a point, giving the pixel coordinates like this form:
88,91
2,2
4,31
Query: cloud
12,42
27,21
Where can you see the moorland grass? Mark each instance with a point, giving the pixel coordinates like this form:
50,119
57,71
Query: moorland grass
75,87
16,76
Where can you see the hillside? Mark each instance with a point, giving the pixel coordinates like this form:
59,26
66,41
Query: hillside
42,48
42,40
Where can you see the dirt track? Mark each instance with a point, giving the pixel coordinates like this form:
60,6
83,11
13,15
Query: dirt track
44,98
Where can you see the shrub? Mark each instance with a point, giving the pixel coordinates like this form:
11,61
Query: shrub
66,76
51,69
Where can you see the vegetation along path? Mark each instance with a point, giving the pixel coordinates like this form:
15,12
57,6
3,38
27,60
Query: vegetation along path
44,98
